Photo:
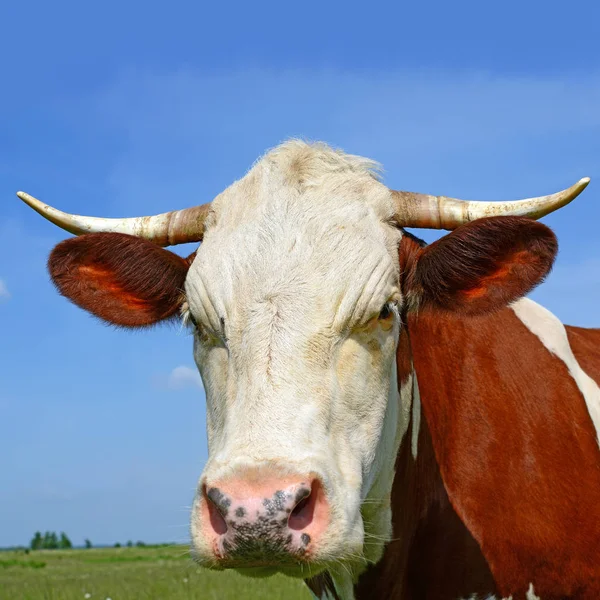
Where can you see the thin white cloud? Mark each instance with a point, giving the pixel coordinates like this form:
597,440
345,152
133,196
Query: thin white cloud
4,293
183,377
466,133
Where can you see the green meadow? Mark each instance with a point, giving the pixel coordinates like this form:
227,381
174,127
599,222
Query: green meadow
152,573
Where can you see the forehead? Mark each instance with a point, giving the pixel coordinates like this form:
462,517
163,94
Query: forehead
303,220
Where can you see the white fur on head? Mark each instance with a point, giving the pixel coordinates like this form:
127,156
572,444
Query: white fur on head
297,261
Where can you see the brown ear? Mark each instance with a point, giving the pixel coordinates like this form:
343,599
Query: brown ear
122,279
480,267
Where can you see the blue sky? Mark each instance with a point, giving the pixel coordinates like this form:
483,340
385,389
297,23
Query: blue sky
119,109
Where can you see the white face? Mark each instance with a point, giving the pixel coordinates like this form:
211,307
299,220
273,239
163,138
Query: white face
297,359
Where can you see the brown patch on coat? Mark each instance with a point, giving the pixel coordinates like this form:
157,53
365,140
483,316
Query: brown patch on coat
403,357
516,449
585,344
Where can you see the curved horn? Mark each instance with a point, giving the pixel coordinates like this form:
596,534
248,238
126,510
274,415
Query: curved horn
440,212
166,229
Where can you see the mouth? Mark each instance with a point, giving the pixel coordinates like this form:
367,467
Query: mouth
262,568
299,571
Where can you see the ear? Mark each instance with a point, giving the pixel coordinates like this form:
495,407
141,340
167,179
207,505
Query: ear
122,279
480,267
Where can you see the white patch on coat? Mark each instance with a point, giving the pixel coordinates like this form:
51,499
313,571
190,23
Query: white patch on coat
552,333
298,259
530,596
530,593
416,417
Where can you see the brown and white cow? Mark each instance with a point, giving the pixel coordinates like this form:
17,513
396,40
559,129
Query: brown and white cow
386,419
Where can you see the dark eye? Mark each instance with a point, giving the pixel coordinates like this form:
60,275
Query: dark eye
192,320
386,312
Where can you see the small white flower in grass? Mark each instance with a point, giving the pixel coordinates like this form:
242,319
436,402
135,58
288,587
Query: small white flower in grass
87,595
185,580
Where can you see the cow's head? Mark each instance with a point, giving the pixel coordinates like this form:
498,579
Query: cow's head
295,298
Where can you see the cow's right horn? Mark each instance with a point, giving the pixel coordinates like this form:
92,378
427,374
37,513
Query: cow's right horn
166,229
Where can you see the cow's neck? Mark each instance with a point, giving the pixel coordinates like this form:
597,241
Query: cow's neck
430,544
504,430
423,521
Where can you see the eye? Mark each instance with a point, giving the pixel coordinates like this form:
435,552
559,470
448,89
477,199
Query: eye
206,334
386,312
192,320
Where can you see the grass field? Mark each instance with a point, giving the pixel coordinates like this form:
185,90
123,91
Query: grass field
152,573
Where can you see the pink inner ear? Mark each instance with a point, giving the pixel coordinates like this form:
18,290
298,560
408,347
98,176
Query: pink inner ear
508,268
493,280
103,281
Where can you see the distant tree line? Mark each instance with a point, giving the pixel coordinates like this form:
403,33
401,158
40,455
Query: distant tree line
50,541
129,544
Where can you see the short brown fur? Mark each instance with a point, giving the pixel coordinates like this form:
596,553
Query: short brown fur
481,266
121,279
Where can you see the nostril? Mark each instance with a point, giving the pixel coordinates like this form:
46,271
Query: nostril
218,506
301,507
303,513
219,500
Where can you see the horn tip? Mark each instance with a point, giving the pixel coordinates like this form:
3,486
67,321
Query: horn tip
580,186
28,199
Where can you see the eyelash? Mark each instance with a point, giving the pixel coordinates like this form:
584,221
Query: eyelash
205,334
190,319
389,309
386,312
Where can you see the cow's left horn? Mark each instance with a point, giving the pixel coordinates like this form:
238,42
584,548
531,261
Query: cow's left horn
440,212
166,229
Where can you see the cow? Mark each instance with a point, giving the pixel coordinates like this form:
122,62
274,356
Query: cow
386,419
